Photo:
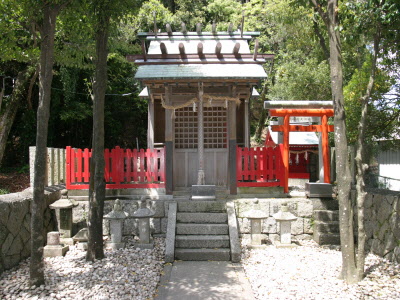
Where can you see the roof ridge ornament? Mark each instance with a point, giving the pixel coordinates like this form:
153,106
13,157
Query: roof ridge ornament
184,30
198,28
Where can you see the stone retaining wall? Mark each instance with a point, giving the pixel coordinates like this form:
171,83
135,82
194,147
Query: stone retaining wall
15,224
382,223
302,208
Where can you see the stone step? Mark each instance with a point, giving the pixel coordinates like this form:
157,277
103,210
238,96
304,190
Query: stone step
222,254
324,204
204,229
326,215
202,206
202,241
326,227
326,238
185,217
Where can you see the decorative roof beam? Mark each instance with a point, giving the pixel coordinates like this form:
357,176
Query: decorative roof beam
214,28
200,49
144,51
230,28
198,28
182,49
255,50
169,30
163,49
184,30
305,104
218,49
236,49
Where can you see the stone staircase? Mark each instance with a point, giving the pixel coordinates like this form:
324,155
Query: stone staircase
202,231
326,222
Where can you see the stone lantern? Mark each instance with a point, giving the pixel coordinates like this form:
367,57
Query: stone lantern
284,217
64,219
255,216
116,217
144,214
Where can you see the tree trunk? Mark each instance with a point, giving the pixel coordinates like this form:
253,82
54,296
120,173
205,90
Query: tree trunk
97,184
50,13
360,159
9,110
342,163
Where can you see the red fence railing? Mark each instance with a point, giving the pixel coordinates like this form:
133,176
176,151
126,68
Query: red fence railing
125,168
261,166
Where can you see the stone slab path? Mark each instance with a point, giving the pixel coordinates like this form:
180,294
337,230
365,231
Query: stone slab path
204,280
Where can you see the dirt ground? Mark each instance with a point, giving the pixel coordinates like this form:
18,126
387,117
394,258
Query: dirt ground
14,182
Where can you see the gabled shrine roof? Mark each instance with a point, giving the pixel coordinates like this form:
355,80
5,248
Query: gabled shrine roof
192,55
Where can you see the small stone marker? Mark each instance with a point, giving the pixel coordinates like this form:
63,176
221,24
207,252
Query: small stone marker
81,238
144,214
65,219
255,216
53,247
116,217
284,217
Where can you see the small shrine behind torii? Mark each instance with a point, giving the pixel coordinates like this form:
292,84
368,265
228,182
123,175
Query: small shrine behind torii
198,86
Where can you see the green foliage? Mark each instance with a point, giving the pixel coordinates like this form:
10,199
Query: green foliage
4,191
223,12
145,17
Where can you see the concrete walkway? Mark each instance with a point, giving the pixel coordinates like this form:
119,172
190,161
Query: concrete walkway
194,280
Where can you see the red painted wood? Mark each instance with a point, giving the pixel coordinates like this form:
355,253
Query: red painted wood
86,172
301,128
258,166
123,168
281,112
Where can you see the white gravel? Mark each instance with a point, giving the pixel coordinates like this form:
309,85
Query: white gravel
127,273
311,272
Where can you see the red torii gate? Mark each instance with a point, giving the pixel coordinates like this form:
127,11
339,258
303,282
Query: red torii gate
322,109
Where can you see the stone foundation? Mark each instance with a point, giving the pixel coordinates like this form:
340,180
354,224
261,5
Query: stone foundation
15,224
382,223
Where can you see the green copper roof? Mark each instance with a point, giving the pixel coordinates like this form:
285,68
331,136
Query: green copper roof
197,71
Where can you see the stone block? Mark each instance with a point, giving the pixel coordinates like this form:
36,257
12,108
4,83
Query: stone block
308,228
297,226
158,207
19,210
244,225
269,225
384,211
53,251
3,234
25,235
304,208
7,244
4,211
130,227
203,192
11,261
318,190
276,206
325,204
171,232
16,246
155,225
164,224
243,206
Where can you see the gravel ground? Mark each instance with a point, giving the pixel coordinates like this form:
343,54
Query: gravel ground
311,272
127,273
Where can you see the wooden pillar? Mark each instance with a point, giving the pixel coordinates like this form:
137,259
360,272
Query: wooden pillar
150,122
286,154
200,137
169,143
232,144
246,124
325,149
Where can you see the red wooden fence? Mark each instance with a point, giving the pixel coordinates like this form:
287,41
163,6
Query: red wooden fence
125,168
257,167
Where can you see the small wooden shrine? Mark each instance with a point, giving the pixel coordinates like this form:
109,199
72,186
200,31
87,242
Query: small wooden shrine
198,86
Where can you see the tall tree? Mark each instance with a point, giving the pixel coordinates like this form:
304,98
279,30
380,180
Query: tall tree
47,32
330,16
97,184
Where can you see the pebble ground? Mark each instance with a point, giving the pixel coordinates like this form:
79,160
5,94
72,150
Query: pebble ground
311,272
304,272
127,273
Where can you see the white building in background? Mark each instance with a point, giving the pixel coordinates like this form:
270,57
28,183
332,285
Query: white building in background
389,169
